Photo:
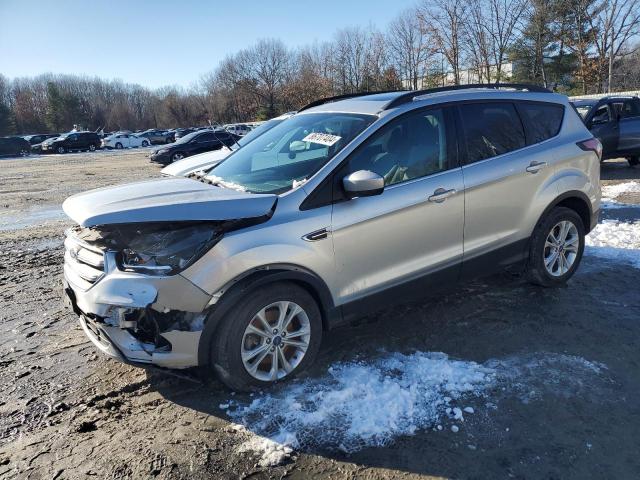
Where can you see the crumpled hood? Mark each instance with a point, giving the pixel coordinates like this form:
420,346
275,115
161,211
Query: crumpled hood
165,200
196,163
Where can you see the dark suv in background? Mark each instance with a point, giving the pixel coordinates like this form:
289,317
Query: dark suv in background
615,121
73,141
14,146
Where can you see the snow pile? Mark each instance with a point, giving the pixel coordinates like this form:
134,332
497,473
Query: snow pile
615,240
366,404
369,404
611,192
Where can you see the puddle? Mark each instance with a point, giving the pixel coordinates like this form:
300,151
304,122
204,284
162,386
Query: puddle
34,216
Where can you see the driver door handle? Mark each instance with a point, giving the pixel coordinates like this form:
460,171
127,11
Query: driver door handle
441,194
535,167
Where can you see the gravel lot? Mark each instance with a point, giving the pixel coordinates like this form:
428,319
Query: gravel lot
535,383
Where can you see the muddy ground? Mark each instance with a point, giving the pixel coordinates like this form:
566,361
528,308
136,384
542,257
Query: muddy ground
68,412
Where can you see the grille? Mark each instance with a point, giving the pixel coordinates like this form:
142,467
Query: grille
83,263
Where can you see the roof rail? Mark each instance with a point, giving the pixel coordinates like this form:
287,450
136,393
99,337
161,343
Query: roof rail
409,96
322,101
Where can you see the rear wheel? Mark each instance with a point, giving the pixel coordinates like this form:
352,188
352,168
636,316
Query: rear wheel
633,161
556,248
273,334
92,148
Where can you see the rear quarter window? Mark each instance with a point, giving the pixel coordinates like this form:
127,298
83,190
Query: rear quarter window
542,120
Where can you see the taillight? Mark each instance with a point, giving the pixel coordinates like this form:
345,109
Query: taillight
591,145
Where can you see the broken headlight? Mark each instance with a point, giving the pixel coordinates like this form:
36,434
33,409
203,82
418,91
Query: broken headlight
166,251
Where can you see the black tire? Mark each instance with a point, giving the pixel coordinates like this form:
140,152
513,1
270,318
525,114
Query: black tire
633,161
537,273
176,157
145,143
226,344
61,150
92,148
118,146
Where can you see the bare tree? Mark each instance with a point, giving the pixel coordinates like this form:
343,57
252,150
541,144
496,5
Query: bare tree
409,47
614,23
504,19
444,20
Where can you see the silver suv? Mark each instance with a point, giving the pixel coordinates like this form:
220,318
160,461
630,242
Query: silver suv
348,206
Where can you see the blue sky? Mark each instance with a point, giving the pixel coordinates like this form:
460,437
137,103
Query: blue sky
160,42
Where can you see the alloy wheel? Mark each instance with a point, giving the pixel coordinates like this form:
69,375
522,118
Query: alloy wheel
275,341
561,248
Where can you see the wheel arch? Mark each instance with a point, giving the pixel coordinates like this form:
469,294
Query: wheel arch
249,281
576,201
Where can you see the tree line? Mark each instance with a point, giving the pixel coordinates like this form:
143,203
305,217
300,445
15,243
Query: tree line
572,46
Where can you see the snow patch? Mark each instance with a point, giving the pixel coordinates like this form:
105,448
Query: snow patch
615,240
369,404
611,192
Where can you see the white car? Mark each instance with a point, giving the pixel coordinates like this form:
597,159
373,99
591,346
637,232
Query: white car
124,140
239,129
208,160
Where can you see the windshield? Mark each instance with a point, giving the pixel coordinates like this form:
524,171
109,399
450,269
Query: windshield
289,153
256,132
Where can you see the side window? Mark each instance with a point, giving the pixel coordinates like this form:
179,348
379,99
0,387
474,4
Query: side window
491,129
412,146
631,108
543,120
601,116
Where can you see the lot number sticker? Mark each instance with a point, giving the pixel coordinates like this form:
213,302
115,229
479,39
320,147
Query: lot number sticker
322,138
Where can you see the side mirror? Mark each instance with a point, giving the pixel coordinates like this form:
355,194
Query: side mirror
363,183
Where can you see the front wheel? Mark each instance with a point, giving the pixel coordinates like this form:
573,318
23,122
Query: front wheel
118,146
633,161
556,248
177,156
92,148
61,150
273,334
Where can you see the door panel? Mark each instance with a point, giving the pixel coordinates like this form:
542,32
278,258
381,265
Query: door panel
397,236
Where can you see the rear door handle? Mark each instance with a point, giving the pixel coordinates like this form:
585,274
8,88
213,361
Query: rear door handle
441,194
535,167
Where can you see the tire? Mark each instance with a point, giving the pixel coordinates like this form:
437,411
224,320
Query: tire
541,251
145,143
61,149
232,337
92,148
177,156
633,161
118,146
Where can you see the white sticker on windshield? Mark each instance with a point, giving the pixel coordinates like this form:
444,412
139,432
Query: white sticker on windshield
322,138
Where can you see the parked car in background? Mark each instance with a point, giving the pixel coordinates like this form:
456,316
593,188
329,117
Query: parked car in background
157,137
36,140
367,204
615,121
14,146
205,161
239,129
192,144
72,142
125,140
182,132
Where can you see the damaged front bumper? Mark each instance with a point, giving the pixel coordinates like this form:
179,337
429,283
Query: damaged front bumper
135,318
